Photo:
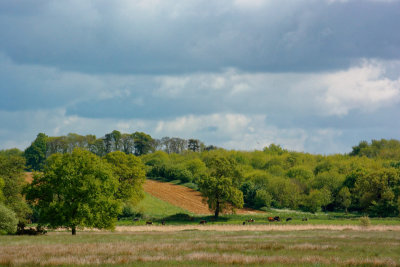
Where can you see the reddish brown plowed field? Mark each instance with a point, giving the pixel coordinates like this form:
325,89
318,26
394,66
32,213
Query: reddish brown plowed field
182,196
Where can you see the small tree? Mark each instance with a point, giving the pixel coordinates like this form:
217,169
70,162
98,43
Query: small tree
344,198
8,220
75,190
220,194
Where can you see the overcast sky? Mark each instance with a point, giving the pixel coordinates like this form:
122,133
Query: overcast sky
311,75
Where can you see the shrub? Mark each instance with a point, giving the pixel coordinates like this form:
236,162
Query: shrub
365,221
8,220
129,211
191,186
262,199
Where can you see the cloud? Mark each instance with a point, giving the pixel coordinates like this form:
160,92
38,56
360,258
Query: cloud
178,37
364,87
310,75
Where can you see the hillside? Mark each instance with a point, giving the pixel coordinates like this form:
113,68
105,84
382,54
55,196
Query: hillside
183,197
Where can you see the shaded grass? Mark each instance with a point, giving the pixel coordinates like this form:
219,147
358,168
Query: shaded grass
205,248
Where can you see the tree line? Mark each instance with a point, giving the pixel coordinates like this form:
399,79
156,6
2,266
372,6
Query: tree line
137,143
76,186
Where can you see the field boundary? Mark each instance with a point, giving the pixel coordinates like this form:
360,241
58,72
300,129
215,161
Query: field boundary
269,227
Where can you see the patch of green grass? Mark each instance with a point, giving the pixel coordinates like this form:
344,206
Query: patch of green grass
153,207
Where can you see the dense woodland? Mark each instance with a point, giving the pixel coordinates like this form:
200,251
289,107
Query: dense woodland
110,171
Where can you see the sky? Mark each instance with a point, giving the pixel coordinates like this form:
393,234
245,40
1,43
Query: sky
317,76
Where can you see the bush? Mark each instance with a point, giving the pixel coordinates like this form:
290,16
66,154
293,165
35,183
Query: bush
365,221
128,211
8,220
191,186
262,199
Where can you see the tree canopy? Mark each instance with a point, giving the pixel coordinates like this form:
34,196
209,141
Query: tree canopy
76,189
131,175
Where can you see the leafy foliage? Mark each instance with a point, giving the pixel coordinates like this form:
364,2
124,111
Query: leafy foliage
131,175
364,181
8,220
12,182
79,188
35,154
220,194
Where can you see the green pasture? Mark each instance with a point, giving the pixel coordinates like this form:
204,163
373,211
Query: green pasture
156,210
204,248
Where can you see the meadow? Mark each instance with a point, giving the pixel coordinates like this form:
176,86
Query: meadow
214,246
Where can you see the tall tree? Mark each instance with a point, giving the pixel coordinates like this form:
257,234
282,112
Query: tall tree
344,198
35,154
143,143
116,139
220,194
127,143
194,145
76,190
131,174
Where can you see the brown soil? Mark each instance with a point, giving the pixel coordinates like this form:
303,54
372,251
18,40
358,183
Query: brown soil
28,177
183,197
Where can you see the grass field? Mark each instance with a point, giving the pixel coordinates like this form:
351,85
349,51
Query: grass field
154,207
206,248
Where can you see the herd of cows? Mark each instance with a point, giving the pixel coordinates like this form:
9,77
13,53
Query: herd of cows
270,219
273,219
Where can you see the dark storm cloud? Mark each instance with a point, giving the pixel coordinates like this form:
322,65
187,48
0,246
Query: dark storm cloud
180,37
316,75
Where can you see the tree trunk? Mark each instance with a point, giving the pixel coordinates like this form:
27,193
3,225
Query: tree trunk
74,230
216,210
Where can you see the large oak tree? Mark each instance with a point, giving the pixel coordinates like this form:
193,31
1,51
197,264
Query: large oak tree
74,190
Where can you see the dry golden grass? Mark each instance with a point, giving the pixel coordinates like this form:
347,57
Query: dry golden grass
121,253
267,227
357,246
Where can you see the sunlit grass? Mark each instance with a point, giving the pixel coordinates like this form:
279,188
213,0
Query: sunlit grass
205,248
153,207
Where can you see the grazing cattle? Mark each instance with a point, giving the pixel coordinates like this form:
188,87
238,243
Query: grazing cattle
244,223
149,223
288,219
136,219
304,219
251,220
163,222
277,218
203,222
271,219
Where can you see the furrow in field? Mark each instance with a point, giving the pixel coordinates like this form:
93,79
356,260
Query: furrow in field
183,197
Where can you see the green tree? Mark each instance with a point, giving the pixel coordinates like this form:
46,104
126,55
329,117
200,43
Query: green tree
194,145
344,198
8,220
262,199
220,194
223,166
376,191
143,143
313,201
13,177
116,138
131,174
75,190
35,154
